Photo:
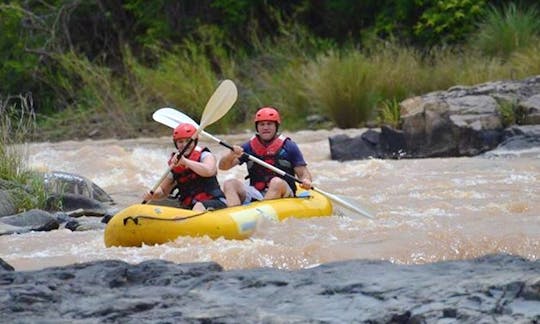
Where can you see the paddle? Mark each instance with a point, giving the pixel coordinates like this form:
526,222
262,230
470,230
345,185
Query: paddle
172,117
217,106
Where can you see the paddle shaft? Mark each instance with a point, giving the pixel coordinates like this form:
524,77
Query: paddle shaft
168,170
219,103
172,118
288,176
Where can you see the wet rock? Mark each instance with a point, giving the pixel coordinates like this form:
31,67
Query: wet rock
85,224
344,148
32,220
58,183
6,204
491,289
4,266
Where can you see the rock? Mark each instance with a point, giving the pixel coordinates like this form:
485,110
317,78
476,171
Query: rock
343,147
58,183
4,266
77,205
490,289
76,195
521,137
463,121
6,204
32,220
531,110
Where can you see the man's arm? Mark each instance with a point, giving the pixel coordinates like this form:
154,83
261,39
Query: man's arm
303,175
231,158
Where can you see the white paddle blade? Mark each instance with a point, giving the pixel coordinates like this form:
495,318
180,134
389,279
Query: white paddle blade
172,117
219,103
343,201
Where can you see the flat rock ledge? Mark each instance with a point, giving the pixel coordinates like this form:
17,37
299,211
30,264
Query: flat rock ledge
490,289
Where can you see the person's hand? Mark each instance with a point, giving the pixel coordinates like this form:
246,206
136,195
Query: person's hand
237,151
306,184
156,195
179,161
147,196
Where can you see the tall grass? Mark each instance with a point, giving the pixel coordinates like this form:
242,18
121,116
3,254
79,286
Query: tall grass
17,123
186,77
526,61
503,31
102,105
343,86
275,75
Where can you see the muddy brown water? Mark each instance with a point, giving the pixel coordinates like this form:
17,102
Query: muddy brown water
426,210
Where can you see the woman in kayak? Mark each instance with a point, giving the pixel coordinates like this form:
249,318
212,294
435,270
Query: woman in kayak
275,149
193,174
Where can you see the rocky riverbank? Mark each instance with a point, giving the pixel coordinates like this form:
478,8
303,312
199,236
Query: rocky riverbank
491,289
462,121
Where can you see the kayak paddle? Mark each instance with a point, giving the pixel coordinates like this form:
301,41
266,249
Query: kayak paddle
172,118
217,106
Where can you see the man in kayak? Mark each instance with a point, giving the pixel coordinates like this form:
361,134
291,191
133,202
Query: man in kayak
275,149
193,174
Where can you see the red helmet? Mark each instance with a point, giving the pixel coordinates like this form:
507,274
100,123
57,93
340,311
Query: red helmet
267,114
185,130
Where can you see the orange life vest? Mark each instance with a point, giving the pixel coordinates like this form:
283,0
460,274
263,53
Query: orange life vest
191,186
273,154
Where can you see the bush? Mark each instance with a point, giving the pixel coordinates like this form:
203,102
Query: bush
503,31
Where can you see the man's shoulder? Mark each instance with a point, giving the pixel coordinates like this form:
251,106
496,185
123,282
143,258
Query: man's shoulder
289,142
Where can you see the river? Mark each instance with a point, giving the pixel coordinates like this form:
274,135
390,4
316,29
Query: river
426,210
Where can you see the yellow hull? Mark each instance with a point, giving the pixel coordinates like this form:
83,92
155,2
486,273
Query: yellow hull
151,224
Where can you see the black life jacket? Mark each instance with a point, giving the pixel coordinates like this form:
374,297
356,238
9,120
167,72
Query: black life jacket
273,154
191,186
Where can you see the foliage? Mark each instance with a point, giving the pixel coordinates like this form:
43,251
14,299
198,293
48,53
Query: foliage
275,65
507,110
447,21
107,65
341,83
188,75
17,121
503,31
526,61
17,66
389,113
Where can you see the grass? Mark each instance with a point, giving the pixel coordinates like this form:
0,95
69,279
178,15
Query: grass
17,122
502,32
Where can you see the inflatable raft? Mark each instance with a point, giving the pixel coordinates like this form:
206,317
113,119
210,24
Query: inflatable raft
152,224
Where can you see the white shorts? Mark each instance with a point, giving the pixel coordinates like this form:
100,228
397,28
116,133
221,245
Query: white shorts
253,194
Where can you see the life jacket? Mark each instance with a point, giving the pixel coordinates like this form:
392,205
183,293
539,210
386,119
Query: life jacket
273,154
191,186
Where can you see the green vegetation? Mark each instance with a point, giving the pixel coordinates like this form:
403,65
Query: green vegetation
106,67
24,186
502,32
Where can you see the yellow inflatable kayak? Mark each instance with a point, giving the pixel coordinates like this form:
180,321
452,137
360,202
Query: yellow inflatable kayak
151,224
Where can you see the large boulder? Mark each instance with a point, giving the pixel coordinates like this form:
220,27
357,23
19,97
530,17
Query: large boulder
58,183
